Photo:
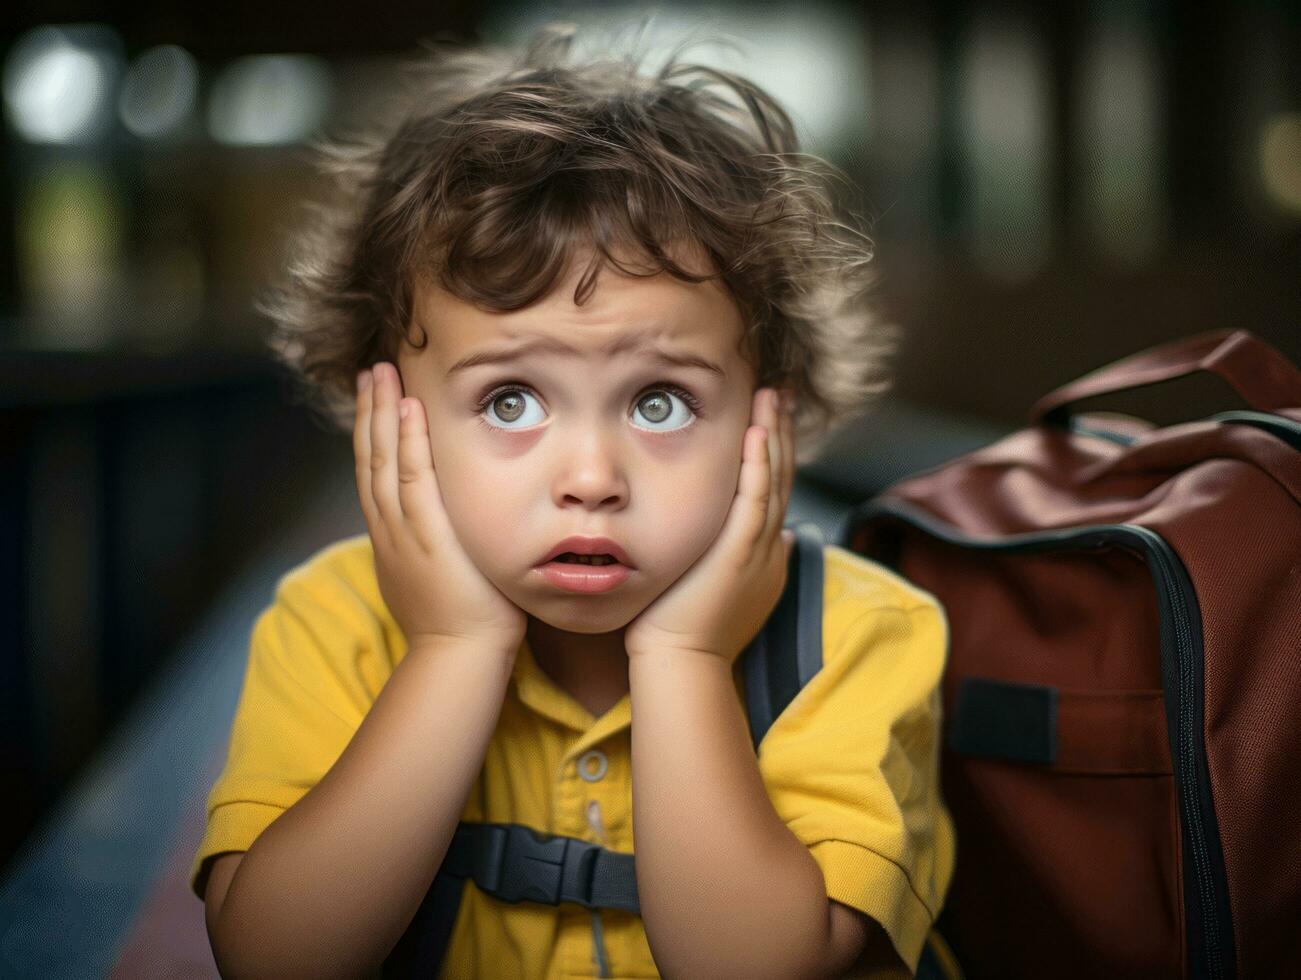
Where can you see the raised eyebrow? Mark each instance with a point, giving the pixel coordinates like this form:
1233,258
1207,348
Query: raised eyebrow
680,358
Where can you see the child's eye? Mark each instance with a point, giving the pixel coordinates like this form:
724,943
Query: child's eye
657,405
509,403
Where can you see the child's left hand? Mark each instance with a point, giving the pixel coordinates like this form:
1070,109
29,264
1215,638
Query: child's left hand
722,601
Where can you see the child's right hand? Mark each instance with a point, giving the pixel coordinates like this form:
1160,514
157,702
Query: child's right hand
433,589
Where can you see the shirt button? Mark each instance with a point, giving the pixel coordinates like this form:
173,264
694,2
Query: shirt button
592,765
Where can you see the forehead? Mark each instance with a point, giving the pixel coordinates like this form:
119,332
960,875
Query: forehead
624,316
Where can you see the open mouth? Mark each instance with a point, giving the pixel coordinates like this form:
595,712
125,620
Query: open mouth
570,558
584,574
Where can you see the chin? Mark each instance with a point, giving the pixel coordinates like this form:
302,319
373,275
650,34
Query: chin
584,628
581,614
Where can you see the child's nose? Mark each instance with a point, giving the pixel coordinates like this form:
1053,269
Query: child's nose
594,477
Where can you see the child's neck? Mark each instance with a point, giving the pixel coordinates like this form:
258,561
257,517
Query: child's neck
591,667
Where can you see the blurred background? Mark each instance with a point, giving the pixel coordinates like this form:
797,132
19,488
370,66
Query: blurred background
1050,187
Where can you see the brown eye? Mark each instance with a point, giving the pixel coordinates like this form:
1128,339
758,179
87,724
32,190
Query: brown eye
509,405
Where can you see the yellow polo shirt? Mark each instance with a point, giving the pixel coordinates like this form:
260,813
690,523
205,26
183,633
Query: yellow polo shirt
851,765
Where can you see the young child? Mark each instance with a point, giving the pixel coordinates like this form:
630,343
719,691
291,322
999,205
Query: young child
556,310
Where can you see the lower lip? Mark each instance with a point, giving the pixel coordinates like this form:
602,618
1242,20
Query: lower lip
589,579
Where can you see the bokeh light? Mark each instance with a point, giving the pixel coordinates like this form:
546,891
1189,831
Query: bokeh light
58,80
1007,139
1280,161
160,92
269,99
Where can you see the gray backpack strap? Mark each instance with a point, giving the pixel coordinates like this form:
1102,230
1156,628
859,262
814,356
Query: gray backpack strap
772,681
514,863
420,951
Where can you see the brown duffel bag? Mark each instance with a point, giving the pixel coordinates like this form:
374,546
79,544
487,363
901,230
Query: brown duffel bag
1122,701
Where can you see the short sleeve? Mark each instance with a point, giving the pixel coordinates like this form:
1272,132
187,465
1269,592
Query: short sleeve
852,767
305,691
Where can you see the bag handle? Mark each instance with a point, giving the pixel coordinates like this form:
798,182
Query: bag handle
1264,378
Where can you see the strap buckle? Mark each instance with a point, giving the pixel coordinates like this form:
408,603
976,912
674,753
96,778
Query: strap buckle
536,867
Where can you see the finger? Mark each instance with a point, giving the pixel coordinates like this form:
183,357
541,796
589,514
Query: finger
361,449
759,491
788,453
750,508
745,519
773,517
384,444
416,482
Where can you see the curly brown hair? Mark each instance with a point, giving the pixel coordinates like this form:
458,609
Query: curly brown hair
499,165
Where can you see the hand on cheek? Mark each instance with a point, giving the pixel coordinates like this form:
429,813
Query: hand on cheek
431,586
721,602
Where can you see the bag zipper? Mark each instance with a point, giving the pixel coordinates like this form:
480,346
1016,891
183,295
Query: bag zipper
1121,438
1281,426
1278,425
1206,899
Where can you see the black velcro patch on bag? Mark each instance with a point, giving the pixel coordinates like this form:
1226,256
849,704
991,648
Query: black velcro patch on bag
1002,720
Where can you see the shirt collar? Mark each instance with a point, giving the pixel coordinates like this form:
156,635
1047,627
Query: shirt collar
537,691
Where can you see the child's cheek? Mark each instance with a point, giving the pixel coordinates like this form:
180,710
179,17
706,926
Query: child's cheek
692,508
489,528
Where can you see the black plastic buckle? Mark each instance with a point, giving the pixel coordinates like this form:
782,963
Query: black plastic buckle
543,868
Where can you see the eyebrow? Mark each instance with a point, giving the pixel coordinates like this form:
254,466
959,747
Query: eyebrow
554,346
